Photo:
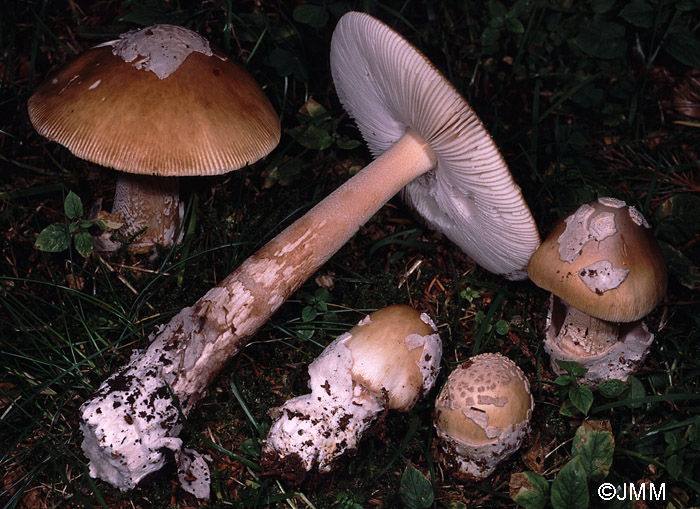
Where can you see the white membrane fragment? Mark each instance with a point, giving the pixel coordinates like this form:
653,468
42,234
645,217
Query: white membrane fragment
160,49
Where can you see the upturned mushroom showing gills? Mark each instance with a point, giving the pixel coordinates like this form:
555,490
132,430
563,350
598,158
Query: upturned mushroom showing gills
156,104
606,272
387,361
130,423
482,414
429,143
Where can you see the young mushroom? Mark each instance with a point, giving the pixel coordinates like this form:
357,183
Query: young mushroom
130,423
387,361
606,272
482,415
156,104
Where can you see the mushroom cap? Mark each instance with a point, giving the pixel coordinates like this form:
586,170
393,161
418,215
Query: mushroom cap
482,398
157,101
604,260
395,349
387,86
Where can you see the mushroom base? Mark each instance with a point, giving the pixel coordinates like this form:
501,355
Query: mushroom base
571,335
465,461
314,430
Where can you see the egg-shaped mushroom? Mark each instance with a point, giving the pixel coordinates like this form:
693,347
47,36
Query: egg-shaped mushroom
482,415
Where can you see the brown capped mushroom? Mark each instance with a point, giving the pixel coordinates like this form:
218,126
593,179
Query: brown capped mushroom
156,104
482,415
387,361
606,272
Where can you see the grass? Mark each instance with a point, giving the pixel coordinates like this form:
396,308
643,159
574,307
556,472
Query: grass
575,118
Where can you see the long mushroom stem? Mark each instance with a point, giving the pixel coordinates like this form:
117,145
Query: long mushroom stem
131,418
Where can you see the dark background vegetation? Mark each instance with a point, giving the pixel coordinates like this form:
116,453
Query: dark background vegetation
584,98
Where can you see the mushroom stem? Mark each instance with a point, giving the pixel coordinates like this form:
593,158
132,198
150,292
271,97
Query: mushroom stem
150,202
131,418
608,350
582,334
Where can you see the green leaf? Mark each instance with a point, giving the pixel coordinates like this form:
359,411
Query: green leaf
311,136
53,239
502,327
564,380
287,63
570,487
638,13
675,442
285,174
305,333
636,390
346,143
315,16
611,388
497,11
85,224
569,410
416,491
674,466
572,367
251,447
582,398
73,227
594,445
515,26
308,314
84,244
73,206
322,294
681,267
694,434
602,39
489,39
684,47
529,490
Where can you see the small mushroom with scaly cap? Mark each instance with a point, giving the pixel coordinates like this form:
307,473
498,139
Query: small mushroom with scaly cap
482,415
156,104
387,361
606,272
